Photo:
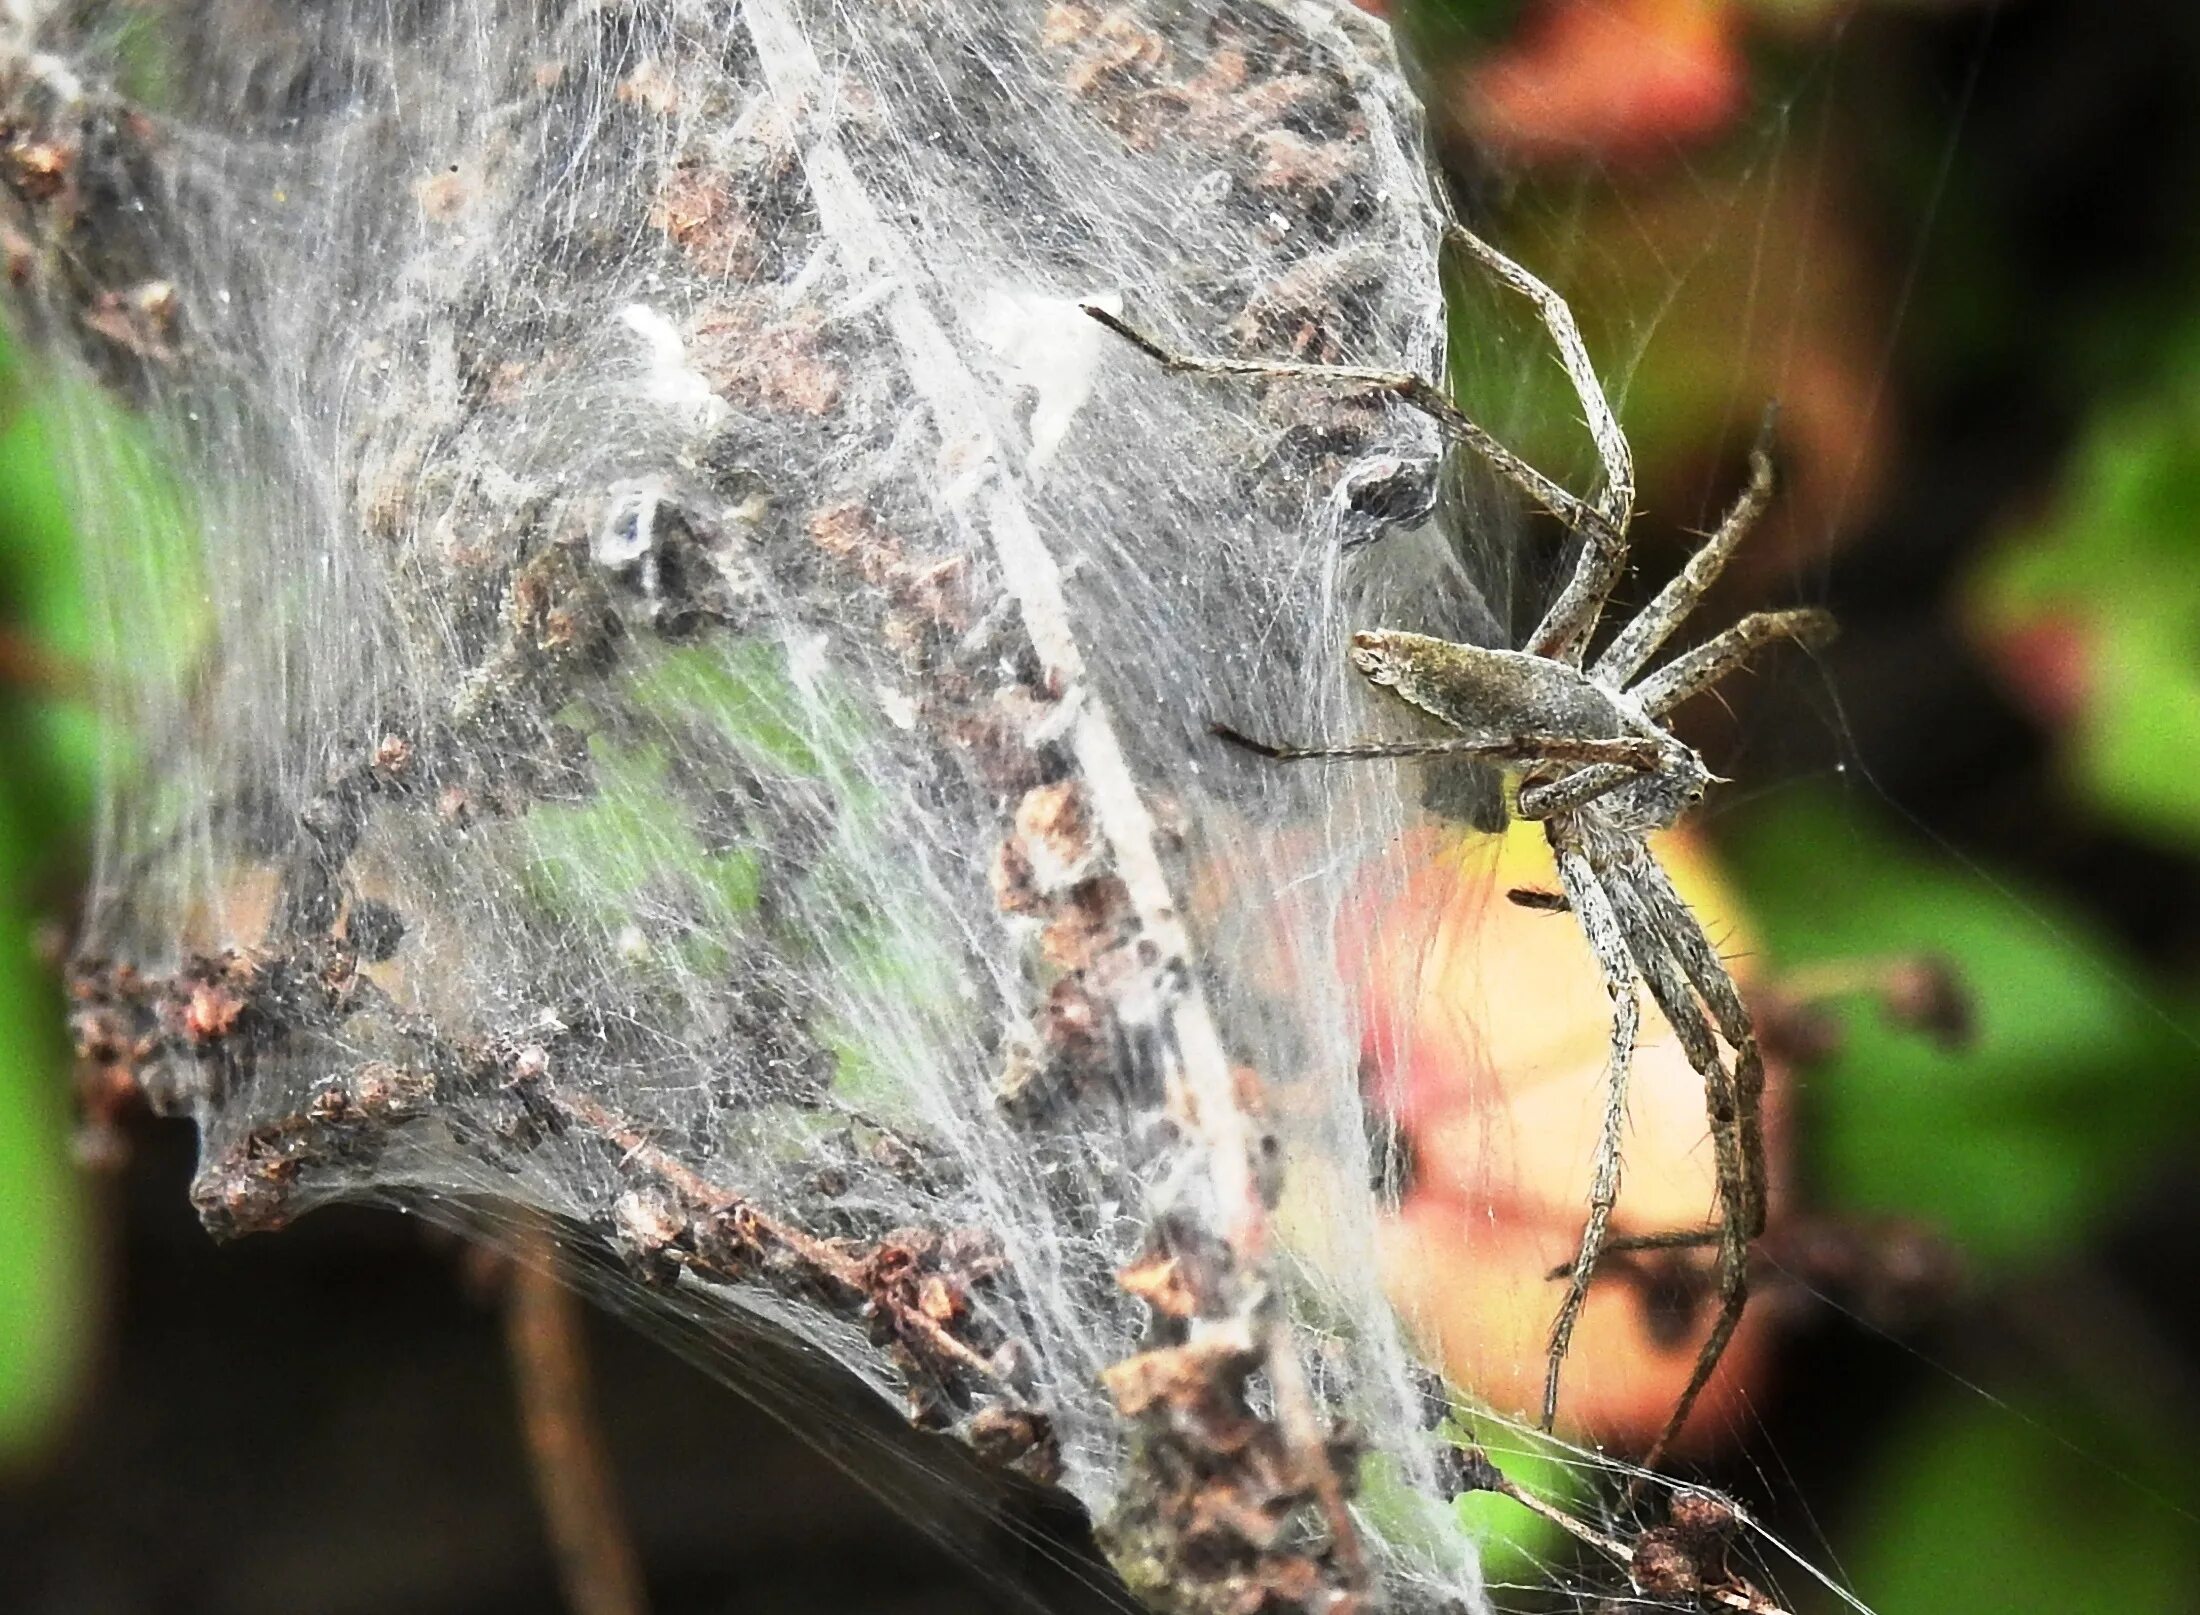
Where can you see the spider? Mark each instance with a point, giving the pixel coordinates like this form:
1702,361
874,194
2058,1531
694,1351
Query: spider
1591,759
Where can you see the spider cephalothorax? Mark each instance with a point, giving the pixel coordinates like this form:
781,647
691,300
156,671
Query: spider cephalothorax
1592,760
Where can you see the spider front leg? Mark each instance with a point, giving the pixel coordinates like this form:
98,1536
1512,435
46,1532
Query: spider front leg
1629,758
1403,385
1601,926
1693,672
1546,799
1564,632
1654,624
1602,526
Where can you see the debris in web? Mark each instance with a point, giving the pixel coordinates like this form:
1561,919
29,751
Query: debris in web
678,703
681,702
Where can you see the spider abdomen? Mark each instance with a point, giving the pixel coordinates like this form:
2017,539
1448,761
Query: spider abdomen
1497,694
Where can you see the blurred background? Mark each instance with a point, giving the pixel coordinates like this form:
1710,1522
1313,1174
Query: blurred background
1958,243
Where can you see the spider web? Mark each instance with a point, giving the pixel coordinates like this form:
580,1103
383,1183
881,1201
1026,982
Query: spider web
680,711
677,708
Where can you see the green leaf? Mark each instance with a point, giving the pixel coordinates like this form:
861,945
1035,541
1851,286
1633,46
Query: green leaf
45,794
2077,1082
2112,568
1517,1545
1976,1508
45,1252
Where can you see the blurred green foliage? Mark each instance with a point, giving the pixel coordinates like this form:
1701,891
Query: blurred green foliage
1973,1508
2035,1489
2100,601
50,746
2078,1078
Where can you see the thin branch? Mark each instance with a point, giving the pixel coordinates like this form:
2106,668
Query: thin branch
597,1564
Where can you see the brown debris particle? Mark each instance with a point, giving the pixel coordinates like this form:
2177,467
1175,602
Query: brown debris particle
652,86
141,320
1107,48
507,380
1294,315
1017,1438
939,591
1088,921
849,533
393,755
1064,25
1662,1568
648,1225
1197,1377
38,168
698,210
1702,1517
1023,1088
443,196
941,1300
1054,827
1074,1024
211,1012
1291,162
20,257
1159,1280
1014,891
781,365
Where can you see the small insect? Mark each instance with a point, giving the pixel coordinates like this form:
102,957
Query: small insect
1590,758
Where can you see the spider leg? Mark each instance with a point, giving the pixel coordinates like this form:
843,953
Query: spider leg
1572,617
1403,385
1601,926
1573,355
1707,972
1676,1239
1647,939
1556,796
1632,758
1640,639
1693,672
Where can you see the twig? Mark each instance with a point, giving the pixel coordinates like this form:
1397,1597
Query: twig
1685,1558
851,1274
597,1565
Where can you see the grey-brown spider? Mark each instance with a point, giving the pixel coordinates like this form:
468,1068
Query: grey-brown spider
1597,767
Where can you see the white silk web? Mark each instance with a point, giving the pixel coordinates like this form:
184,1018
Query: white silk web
681,706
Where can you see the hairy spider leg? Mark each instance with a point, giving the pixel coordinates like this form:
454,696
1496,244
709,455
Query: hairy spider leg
1564,632
1630,758
1601,926
1708,974
1406,387
1693,672
1713,983
1649,941
1569,791
1635,644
